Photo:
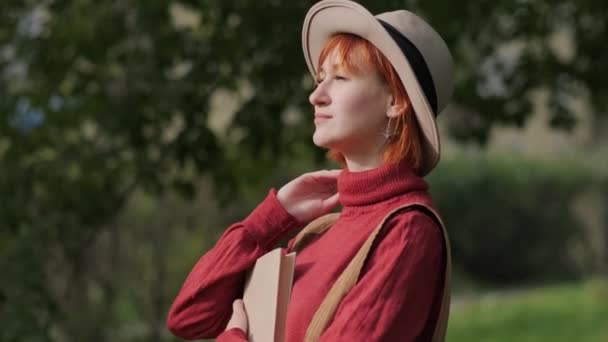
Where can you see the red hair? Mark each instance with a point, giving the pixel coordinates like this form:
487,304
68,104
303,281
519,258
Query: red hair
357,54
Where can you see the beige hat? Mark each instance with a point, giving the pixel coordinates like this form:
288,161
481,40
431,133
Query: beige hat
416,51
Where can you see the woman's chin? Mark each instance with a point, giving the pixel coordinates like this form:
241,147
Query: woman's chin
321,141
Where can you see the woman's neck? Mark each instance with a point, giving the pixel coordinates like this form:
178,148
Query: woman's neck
358,163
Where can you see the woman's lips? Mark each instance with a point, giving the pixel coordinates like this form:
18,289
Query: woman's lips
319,117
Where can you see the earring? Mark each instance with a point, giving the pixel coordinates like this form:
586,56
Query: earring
387,134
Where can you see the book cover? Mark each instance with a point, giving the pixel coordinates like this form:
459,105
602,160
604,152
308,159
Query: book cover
267,292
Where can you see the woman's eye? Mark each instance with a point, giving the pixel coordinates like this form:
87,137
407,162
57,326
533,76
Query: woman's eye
320,80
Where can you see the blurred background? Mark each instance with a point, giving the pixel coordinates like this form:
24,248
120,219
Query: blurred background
132,133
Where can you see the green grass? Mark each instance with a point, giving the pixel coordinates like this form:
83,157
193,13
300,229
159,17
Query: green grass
572,312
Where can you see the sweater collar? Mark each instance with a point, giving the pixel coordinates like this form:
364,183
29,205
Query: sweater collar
377,185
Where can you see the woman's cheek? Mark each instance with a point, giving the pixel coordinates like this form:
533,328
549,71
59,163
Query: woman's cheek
358,97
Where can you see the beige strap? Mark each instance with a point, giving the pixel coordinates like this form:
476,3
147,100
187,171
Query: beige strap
313,230
350,275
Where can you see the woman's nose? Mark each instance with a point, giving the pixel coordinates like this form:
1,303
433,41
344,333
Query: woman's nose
319,96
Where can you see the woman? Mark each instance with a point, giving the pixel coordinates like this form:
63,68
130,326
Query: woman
380,82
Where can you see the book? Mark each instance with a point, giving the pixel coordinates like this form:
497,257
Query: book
267,292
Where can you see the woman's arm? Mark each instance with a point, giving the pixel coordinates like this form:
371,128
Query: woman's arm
204,304
233,335
393,298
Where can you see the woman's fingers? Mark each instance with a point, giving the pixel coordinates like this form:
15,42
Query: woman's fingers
326,178
330,203
239,316
310,195
325,174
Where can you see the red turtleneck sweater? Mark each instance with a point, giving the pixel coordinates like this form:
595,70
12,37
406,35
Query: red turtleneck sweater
398,294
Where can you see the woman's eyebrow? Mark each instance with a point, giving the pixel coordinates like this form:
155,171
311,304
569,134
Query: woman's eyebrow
333,67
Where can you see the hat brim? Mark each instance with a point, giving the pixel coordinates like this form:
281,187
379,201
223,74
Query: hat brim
329,17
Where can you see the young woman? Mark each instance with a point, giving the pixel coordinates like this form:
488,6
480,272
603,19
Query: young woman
380,83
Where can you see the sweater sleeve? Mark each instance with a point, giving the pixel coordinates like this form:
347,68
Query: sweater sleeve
232,335
203,306
393,299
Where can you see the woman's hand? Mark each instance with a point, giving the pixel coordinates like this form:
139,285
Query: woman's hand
310,195
239,316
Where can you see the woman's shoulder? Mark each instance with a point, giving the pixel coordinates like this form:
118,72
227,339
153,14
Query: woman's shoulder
416,220
410,232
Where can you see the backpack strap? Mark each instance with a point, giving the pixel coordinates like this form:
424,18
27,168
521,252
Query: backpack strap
314,229
350,275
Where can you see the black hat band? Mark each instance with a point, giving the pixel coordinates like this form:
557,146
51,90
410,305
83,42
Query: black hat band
421,69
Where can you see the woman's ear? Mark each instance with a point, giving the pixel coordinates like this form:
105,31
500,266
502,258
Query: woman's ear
394,110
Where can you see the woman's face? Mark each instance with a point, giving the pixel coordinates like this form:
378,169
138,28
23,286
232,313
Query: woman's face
350,109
